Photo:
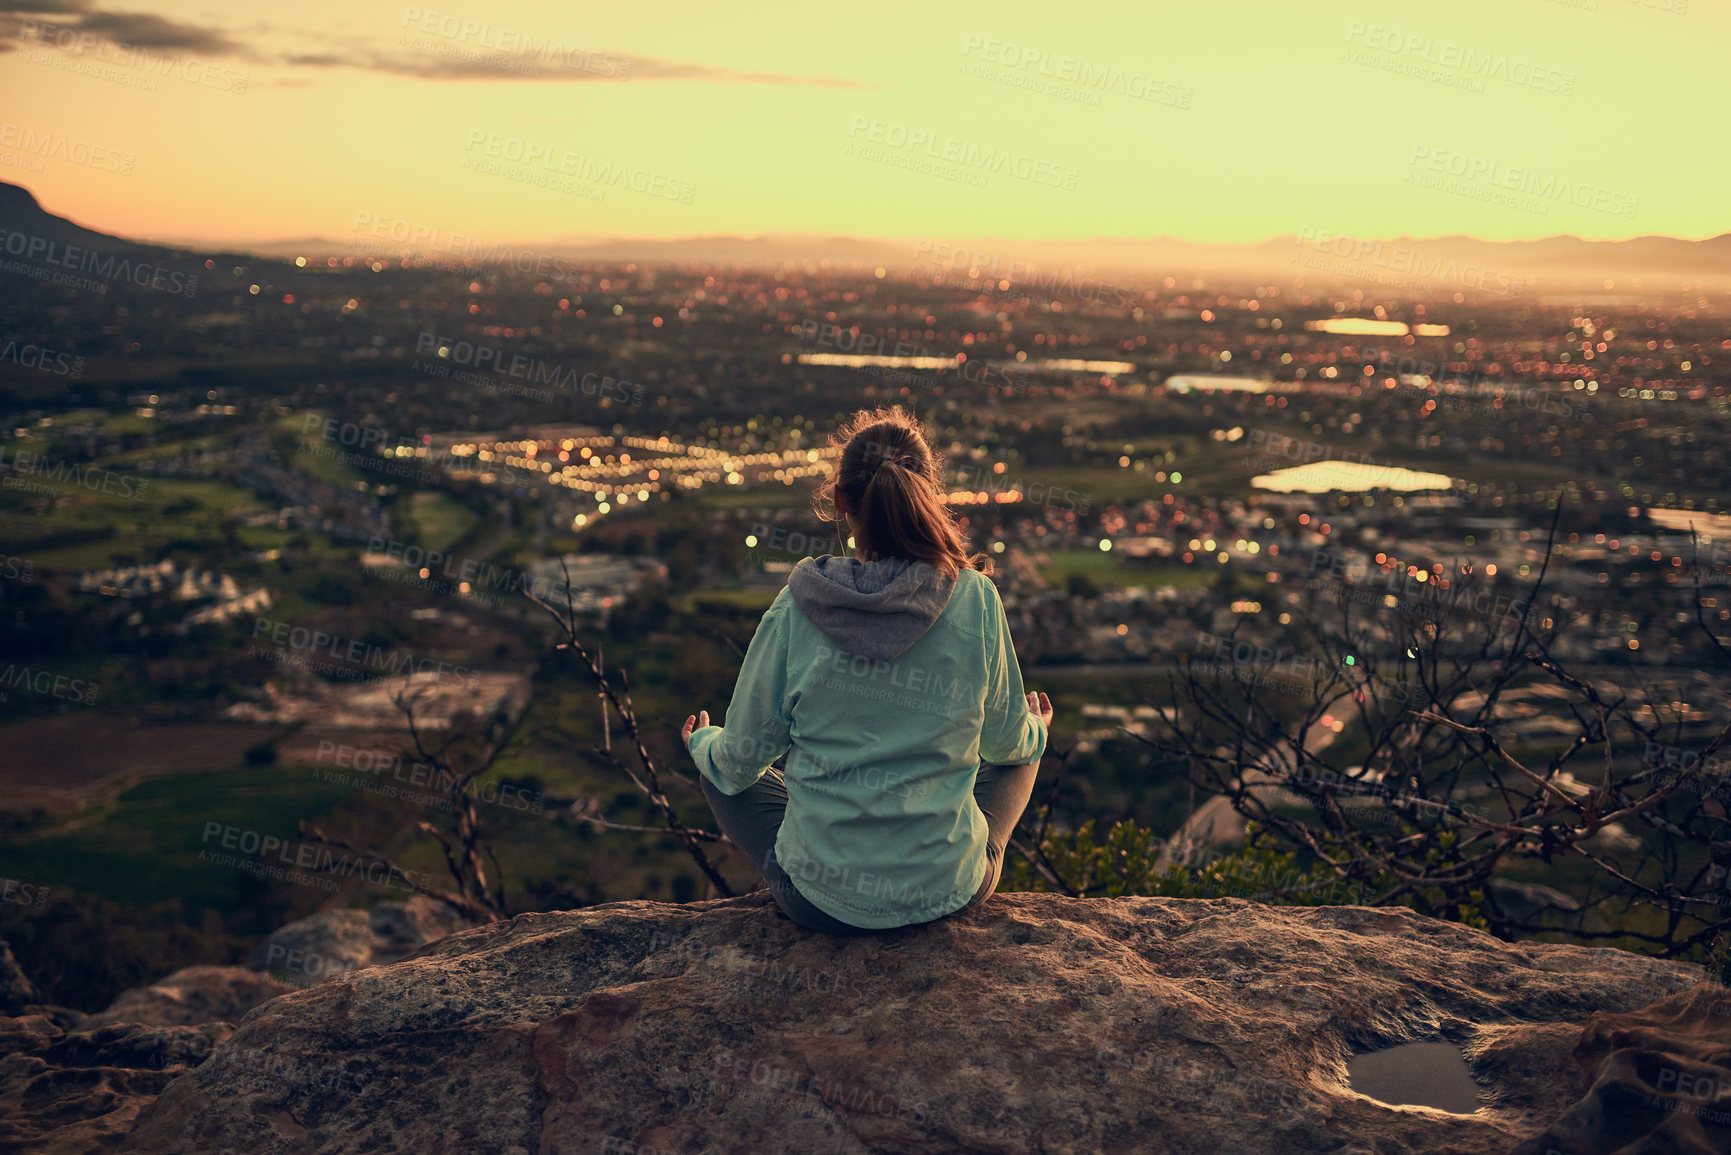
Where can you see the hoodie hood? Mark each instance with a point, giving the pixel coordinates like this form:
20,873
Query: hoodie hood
875,609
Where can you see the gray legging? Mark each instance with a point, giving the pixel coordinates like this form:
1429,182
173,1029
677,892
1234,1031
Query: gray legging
752,818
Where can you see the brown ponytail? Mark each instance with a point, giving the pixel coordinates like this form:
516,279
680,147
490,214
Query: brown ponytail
893,484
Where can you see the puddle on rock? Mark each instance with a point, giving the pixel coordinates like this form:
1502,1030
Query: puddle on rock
1416,1074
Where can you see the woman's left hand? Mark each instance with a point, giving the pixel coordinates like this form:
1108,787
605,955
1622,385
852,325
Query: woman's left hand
695,722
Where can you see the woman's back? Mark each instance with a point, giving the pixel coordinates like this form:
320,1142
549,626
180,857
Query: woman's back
886,684
885,678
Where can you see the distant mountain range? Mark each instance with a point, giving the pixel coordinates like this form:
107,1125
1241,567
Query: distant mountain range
1552,259
1387,261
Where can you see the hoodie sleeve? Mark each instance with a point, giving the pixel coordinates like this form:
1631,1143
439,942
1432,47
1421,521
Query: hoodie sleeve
736,755
1012,734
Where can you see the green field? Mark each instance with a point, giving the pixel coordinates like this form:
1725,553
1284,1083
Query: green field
795,496
1105,568
317,459
1085,487
139,517
168,449
145,848
440,521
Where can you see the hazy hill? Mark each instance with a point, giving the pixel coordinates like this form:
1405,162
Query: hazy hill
20,212
1666,260
1552,259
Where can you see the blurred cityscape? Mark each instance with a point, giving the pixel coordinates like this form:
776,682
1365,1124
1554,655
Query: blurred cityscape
240,521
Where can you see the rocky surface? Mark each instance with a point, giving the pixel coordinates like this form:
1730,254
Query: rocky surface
334,942
66,1093
1655,1080
72,1082
16,990
201,994
1037,1023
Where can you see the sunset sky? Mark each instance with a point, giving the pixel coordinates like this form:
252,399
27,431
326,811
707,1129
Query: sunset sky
1224,122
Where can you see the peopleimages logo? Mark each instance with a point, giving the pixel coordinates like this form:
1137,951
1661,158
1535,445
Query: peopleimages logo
778,539
1498,175
299,645
1427,269
347,432
1462,61
986,485
505,40
394,234
532,369
954,150
90,477
23,893
747,969
1426,598
1088,78
876,353
76,257
43,359
47,683
415,775
58,146
473,575
578,166
303,860
1014,277
853,1098
421,464
80,42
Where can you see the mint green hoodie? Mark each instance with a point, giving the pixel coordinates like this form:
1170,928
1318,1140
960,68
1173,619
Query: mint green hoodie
885,713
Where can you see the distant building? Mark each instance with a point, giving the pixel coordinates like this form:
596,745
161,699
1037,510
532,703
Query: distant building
1145,546
599,581
1220,382
165,580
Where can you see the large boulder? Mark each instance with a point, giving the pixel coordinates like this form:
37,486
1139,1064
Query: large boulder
200,994
1037,1023
334,942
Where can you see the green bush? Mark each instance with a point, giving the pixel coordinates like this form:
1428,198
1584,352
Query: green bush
1123,863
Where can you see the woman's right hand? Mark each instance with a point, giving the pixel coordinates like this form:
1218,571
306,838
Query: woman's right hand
1041,707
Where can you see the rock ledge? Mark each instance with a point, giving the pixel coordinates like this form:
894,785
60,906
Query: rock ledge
1037,1023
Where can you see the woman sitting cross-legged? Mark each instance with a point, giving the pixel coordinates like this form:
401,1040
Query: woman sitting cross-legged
889,683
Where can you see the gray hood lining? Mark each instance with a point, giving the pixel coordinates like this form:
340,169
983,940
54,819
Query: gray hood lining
875,609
